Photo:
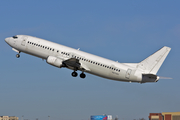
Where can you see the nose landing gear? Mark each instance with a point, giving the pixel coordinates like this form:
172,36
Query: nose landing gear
17,55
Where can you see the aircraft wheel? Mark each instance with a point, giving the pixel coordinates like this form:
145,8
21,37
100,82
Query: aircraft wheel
18,55
74,74
82,75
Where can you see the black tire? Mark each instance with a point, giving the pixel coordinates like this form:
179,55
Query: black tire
74,74
17,55
82,75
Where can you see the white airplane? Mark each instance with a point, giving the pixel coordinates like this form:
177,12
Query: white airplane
63,56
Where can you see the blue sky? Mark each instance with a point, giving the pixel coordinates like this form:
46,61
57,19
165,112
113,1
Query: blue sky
124,31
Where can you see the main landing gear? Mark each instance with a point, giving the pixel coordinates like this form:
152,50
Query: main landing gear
82,75
74,74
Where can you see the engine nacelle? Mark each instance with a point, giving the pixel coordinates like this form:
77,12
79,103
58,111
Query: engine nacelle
54,61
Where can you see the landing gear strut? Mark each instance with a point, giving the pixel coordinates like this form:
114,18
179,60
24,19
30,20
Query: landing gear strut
74,74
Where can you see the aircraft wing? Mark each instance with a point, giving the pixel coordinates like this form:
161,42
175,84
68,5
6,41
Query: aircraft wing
73,62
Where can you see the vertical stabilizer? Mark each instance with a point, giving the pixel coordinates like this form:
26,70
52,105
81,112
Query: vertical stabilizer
152,64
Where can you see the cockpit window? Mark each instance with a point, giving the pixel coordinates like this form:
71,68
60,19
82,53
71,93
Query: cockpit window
15,37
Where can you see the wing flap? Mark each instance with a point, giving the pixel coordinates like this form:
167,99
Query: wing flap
73,62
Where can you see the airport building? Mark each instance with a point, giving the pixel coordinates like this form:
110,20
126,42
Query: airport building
171,115
155,116
165,116
9,118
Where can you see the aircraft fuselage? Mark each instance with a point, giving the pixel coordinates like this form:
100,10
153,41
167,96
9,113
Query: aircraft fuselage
62,56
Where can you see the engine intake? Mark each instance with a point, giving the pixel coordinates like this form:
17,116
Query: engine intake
55,61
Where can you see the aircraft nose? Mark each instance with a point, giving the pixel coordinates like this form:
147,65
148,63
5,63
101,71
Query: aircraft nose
7,40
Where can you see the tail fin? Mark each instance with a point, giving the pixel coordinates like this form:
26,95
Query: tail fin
152,64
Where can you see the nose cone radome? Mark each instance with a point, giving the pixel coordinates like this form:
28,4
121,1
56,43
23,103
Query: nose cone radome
7,40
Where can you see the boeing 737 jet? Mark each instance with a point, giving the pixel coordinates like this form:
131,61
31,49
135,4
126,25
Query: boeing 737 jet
62,56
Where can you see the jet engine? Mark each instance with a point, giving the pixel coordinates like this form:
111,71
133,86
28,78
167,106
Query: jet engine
55,61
